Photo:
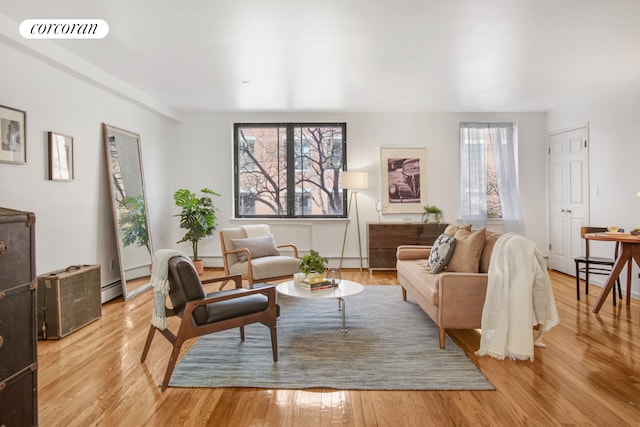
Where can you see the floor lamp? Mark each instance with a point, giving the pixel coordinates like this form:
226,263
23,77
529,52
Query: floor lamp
353,181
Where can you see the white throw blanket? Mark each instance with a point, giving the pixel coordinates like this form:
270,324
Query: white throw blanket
519,296
160,284
256,230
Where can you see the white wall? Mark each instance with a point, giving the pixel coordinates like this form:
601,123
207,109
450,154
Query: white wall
74,223
210,136
614,172
73,219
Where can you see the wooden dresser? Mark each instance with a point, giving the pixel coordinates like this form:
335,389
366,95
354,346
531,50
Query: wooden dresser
383,238
18,340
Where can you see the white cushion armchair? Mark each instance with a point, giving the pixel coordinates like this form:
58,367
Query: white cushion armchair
252,252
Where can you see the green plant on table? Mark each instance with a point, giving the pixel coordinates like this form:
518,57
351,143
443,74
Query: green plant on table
198,216
313,263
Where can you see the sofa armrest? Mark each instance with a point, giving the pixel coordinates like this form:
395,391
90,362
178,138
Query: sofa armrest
412,252
461,300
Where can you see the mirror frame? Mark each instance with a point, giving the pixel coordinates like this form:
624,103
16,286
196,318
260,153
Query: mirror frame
127,292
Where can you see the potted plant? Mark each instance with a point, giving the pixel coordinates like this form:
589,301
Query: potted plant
313,264
432,210
198,217
133,222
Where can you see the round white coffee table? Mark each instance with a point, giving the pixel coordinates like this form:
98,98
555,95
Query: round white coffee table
345,289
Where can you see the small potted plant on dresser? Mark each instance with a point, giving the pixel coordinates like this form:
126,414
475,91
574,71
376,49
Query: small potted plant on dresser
432,212
198,217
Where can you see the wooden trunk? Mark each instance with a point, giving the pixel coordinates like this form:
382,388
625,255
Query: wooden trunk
385,237
68,300
18,345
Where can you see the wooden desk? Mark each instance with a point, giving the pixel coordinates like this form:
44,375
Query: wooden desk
630,250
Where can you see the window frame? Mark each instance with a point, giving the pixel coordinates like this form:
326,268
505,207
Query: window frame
290,169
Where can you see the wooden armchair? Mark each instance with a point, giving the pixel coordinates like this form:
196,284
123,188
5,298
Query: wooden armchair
203,314
251,252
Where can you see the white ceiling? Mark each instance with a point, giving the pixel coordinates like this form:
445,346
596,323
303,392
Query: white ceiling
358,55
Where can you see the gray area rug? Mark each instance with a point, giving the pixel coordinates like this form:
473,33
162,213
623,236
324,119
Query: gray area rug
390,345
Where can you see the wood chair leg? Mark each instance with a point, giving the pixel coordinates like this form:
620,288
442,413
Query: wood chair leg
404,294
172,363
441,334
147,344
241,333
578,281
629,270
586,279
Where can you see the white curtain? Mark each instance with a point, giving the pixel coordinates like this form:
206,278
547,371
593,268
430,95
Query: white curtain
504,157
473,174
474,139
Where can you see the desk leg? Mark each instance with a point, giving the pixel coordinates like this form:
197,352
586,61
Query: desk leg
625,255
629,251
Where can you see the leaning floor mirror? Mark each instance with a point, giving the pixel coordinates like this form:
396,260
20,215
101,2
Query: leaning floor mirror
129,203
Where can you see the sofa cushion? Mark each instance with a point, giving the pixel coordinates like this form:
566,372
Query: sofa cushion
468,251
259,247
490,241
441,252
451,229
421,280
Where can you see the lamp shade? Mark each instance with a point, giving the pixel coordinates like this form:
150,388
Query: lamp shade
355,180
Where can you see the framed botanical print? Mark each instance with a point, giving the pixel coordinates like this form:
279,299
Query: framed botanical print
404,179
60,157
13,133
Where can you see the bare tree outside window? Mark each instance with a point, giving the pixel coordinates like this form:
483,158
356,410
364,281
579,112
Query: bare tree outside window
479,185
278,163
494,207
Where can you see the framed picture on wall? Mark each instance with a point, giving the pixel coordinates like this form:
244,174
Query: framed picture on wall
404,179
60,157
13,133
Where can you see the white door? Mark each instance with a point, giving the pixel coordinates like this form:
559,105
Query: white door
569,196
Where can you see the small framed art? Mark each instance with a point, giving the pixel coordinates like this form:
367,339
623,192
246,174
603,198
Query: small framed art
404,179
13,133
60,157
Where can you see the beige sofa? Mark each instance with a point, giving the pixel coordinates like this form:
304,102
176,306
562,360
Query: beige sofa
453,298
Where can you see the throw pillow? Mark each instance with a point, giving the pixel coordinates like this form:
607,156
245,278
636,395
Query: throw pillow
487,250
451,229
441,253
258,247
466,257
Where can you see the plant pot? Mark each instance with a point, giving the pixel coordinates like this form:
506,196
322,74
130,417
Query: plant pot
199,265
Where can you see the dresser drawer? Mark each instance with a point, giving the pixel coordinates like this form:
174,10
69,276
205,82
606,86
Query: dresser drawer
19,399
17,329
17,249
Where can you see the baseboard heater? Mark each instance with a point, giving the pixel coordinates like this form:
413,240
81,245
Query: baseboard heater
111,291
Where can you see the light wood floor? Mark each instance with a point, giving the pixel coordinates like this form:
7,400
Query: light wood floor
589,374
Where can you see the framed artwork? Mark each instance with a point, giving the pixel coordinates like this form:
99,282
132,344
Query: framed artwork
60,157
404,179
13,132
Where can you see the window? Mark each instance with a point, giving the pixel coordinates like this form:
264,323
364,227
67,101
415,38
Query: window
488,178
289,170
